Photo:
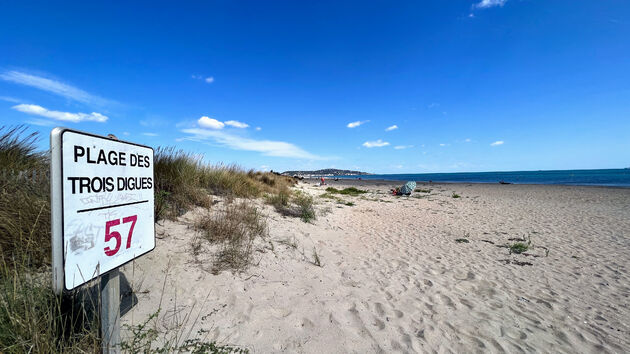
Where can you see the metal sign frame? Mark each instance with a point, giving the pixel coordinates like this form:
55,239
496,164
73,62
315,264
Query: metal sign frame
57,207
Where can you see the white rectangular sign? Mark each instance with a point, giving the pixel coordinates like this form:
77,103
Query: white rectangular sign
102,205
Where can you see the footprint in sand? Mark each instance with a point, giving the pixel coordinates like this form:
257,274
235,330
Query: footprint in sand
379,309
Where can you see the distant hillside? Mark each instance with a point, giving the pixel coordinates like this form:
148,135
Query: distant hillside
325,172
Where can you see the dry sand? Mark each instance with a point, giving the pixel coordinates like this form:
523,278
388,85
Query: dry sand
393,278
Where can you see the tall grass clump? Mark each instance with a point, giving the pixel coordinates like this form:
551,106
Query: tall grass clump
234,229
178,183
279,200
35,320
24,199
296,204
183,181
32,318
305,206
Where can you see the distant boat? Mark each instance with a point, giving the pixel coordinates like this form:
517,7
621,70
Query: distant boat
504,182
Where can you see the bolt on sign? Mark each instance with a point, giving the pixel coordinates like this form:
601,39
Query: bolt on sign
102,205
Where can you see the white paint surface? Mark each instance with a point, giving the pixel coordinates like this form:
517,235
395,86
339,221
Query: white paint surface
81,238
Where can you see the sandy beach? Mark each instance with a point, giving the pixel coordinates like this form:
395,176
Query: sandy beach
393,278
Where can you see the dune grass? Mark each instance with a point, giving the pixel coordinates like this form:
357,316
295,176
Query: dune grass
24,200
279,200
305,206
32,317
296,204
235,228
183,181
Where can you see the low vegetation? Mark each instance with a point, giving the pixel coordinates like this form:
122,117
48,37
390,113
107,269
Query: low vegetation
305,206
32,317
234,229
518,247
351,191
420,190
296,204
146,338
327,195
279,200
455,195
183,181
35,320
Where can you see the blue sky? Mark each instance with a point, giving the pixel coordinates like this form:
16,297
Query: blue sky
481,85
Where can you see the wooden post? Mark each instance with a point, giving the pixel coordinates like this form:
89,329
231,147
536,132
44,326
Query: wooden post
110,312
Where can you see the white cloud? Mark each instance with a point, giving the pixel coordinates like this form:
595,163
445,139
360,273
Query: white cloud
402,147
258,128
266,147
236,124
52,86
467,140
209,79
10,99
444,145
62,116
41,122
484,4
210,123
497,143
126,133
393,127
149,134
356,124
377,143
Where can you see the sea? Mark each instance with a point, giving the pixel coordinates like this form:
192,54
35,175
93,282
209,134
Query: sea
608,177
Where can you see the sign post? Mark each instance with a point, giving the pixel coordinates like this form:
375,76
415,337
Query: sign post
110,311
102,215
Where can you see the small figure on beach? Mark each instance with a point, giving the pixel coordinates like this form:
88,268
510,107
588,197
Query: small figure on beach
323,182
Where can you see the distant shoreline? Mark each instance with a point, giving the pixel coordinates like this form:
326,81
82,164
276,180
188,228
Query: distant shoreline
606,178
346,181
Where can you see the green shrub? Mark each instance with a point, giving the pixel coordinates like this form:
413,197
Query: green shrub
279,200
518,247
305,206
352,191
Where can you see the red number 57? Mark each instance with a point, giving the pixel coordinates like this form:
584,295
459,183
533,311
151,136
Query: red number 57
116,235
